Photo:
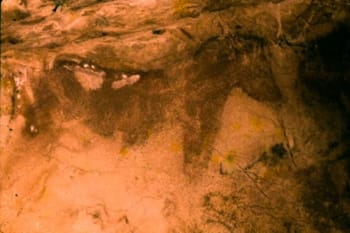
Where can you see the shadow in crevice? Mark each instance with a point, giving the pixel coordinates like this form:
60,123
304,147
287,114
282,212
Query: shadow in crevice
326,195
325,71
325,81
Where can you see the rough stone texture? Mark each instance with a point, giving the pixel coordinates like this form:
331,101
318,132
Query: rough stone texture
181,116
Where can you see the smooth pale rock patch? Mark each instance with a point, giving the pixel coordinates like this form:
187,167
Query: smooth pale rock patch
88,78
125,81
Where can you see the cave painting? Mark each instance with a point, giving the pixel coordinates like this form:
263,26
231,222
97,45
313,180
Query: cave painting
174,116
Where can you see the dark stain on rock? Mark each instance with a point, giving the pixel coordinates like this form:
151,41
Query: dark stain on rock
257,81
205,97
217,5
204,102
33,21
38,115
11,40
106,56
278,150
134,109
250,68
77,5
273,157
91,34
15,14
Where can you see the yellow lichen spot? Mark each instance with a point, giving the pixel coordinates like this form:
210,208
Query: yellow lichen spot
216,158
256,123
236,126
228,162
230,157
85,141
6,83
263,172
175,147
124,151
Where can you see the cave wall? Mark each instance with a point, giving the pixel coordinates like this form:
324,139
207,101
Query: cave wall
226,103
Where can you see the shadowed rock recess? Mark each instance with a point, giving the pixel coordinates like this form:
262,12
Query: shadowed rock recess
175,116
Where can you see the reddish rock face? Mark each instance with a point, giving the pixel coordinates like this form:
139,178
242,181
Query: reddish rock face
174,116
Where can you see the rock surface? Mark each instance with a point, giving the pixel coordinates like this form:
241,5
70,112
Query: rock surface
164,116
